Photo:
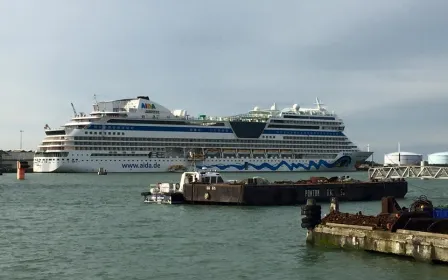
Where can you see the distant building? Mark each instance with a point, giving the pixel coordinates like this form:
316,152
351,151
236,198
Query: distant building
402,158
438,158
8,159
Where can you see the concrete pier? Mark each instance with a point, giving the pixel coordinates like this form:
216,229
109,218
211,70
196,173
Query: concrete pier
422,246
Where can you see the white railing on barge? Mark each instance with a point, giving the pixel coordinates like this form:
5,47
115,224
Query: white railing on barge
413,171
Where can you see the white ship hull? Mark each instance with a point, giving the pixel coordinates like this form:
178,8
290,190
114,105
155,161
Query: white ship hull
140,135
122,165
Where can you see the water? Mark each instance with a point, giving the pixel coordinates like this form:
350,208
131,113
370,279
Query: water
85,226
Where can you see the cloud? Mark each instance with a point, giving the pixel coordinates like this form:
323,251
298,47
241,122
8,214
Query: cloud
221,58
418,127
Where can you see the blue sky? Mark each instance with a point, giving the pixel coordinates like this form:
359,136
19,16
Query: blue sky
381,65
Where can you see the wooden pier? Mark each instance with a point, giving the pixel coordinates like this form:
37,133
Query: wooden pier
414,171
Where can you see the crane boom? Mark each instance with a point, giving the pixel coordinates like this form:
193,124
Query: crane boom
74,110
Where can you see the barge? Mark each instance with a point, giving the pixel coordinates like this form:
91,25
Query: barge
208,187
420,232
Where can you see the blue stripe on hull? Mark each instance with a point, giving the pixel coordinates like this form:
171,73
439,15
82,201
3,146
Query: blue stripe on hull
303,132
341,162
161,128
208,129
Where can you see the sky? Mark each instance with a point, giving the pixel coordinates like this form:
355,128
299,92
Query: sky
380,65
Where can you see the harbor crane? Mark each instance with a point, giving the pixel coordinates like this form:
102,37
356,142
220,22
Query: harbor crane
74,110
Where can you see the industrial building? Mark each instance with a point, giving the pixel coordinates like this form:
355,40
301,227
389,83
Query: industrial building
8,159
402,158
438,158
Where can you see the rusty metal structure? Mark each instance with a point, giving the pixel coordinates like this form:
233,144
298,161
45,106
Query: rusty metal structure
418,217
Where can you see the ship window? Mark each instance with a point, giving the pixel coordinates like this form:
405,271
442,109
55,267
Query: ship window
205,180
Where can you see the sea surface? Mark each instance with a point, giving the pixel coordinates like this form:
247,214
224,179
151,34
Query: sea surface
85,226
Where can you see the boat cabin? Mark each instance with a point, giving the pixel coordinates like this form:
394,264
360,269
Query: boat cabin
201,177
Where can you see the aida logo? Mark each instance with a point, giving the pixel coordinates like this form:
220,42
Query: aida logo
148,106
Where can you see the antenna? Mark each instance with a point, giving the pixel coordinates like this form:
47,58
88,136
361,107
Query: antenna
94,99
318,104
399,156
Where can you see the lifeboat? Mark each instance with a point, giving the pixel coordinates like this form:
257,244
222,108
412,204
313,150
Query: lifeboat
194,156
176,168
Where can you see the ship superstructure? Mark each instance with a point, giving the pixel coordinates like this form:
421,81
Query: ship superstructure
140,135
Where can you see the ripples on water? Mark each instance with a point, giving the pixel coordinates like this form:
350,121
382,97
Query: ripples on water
84,226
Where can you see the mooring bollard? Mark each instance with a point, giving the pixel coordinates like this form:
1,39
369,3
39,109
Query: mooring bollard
312,213
334,204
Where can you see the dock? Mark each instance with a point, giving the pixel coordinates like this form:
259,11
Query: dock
398,231
422,246
414,171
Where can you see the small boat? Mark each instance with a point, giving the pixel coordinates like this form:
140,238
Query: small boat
212,151
163,193
102,171
157,198
195,156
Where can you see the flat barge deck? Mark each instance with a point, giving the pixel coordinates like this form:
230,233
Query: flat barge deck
209,188
290,194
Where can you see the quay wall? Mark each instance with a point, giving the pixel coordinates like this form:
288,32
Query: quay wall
422,246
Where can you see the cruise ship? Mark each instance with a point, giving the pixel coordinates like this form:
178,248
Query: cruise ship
140,135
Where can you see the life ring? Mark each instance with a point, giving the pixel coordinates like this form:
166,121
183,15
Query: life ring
207,196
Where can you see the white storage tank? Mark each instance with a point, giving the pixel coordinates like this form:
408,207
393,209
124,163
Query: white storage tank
438,158
402,158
